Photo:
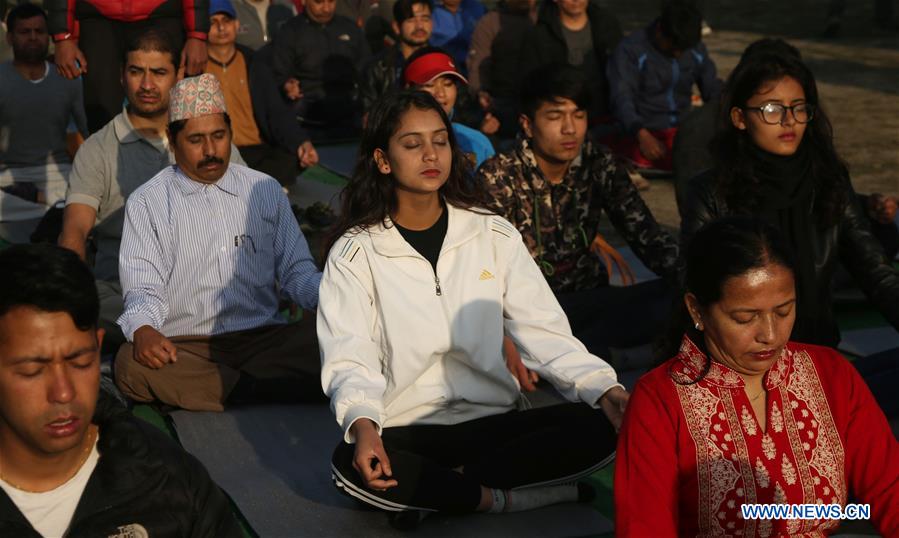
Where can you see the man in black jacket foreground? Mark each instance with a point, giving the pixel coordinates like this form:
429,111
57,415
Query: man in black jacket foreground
71,463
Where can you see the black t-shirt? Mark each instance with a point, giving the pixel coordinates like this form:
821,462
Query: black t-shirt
427,242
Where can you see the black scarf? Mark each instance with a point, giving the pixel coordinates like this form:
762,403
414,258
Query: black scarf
786,193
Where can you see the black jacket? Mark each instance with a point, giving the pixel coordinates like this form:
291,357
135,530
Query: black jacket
849,241
142,480
382,74
277,123
545,44
327,59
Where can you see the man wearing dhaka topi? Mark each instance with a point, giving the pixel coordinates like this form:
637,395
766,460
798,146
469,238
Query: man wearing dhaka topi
209,249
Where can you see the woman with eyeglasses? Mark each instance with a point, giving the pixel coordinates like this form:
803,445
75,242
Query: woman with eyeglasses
775,158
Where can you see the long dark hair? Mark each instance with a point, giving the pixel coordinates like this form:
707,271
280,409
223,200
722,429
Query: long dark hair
720,250
370,196
736,181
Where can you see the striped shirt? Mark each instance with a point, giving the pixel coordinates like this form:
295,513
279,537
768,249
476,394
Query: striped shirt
200,259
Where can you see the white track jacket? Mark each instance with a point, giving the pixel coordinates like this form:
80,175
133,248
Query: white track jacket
402,345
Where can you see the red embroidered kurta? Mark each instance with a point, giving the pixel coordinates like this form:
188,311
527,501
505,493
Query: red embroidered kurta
689,454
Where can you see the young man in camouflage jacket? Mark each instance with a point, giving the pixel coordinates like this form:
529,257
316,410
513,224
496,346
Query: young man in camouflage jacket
554,186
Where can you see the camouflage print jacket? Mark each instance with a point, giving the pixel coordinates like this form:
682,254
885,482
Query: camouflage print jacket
568,214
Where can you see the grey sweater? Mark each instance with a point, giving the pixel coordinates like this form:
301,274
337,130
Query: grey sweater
34,117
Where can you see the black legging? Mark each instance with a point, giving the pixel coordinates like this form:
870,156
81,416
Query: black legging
545,446
881,372
618,317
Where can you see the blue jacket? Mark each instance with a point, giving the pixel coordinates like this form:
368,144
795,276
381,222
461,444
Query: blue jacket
473,143
452,31
649,89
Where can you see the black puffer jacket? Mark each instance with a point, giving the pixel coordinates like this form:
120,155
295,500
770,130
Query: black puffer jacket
143,481
545,44
849,241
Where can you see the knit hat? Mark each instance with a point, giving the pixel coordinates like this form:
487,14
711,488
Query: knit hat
196,96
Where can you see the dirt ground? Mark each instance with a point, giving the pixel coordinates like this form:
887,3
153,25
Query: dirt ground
858,76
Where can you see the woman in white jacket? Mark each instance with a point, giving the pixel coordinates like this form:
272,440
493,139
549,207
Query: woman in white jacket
419,288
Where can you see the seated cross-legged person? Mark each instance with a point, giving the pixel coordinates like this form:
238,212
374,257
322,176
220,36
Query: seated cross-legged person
73,461
420,286
454,22
432,70
554,186
317,61
494,58
36,106
739,414
651,75
268,137
208,249
412,26
116,160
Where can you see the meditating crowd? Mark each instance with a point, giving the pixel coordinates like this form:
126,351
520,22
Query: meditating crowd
465,267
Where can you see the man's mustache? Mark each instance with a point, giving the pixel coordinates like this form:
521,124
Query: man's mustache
210,160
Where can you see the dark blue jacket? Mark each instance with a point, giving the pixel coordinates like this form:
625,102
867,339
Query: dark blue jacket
652,90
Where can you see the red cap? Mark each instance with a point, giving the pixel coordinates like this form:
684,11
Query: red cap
429,66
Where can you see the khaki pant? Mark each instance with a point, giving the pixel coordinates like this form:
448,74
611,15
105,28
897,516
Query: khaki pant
208,367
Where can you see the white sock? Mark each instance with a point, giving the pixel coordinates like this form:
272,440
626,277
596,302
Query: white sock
499,501
520,500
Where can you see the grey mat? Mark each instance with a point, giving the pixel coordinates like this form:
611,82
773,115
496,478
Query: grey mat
274,461
864,342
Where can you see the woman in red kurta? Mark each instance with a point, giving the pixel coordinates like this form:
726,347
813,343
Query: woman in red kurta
740,415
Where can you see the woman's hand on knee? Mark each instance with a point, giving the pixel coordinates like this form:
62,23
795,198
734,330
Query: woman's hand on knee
370,459
613,403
